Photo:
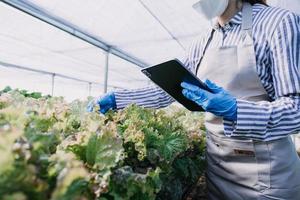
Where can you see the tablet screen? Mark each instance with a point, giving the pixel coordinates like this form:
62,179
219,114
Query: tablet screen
169,75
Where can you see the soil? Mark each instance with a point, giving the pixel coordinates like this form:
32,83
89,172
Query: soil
198,191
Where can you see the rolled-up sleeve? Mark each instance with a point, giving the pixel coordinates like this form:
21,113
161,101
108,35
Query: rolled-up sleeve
148,97
273,120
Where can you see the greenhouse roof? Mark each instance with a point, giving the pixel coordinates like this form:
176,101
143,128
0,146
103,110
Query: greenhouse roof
137,33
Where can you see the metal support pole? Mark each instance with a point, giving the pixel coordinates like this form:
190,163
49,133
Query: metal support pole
162,24
52,84
35,11
106,71
90,88
9,65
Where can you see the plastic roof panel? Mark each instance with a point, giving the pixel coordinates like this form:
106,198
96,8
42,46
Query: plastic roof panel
140,27
28,42
130,26
152,31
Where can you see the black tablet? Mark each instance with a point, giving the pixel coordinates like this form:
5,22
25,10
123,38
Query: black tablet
169,75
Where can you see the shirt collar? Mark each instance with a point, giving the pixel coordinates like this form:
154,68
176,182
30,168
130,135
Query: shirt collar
237,19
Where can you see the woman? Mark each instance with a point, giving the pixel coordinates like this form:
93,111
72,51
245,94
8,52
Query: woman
253,54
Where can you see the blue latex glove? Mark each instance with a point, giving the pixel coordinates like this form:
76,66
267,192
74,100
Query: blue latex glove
105,103
218,101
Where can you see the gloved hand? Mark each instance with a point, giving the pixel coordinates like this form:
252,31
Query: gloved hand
218,101
105,103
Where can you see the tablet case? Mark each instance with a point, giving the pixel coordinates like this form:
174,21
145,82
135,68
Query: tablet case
169,75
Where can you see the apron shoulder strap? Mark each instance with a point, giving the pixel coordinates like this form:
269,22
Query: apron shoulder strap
247,18
205,48
247,23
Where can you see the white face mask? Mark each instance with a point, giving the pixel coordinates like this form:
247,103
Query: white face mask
211,8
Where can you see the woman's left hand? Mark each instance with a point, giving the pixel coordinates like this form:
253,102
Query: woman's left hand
218,101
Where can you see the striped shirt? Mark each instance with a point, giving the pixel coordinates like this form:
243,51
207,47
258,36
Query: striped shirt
276,35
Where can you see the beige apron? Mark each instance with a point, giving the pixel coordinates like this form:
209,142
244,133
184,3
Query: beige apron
240,168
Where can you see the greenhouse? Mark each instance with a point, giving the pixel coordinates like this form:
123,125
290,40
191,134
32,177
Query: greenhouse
80,119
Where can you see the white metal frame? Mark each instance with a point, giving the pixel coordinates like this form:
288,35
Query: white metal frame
53,75
36,12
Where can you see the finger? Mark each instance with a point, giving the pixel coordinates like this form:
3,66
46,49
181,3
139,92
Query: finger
212,86
189,86
204,94
89,109
189,95
90,106
197,97
103,110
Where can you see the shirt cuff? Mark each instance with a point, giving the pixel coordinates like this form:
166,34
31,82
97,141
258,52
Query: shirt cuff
121,102
252,118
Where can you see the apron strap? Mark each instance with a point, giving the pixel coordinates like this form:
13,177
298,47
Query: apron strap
247,18
205,48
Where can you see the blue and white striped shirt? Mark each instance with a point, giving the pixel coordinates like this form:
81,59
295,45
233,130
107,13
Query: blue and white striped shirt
276,34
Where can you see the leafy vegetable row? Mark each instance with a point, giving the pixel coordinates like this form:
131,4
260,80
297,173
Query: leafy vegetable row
53,150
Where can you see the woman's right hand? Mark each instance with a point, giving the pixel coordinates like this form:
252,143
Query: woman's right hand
105,103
